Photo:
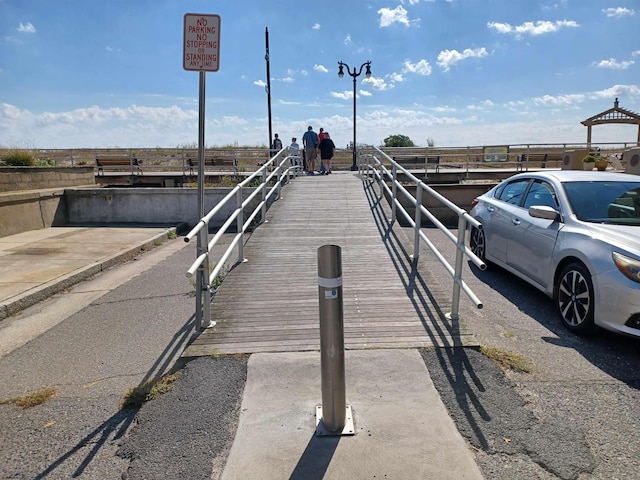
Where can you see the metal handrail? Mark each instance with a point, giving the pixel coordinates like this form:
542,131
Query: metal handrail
278,170
374,165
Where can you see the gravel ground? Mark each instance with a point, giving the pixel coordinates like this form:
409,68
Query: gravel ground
575,416
188,432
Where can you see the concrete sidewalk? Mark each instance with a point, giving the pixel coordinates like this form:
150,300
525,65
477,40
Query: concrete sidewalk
37,264
402,428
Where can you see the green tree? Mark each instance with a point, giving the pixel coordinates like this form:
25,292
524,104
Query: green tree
398,141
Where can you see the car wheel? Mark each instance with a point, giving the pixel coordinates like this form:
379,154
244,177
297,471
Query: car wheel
478,243
574,298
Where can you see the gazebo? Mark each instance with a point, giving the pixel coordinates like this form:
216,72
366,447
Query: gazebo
613,115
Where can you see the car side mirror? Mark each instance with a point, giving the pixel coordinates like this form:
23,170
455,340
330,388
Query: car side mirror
543,211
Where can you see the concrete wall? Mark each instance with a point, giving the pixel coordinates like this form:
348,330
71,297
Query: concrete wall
166,206
24,211
461,195
35,178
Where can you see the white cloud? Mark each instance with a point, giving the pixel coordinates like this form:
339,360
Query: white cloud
447,58
618,12
316,26
347,39
389,16
378,83
320,68
617,91
613,64
346,95
635,53
365,93
532,28
559,100
26,28
260,83
422,67
396,77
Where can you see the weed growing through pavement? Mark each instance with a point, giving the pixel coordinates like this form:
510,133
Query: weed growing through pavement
32,399
507,360
135,397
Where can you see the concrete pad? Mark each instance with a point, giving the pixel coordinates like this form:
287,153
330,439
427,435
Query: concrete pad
402,428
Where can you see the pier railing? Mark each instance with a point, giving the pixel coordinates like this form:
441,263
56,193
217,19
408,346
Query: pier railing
266,184
383,170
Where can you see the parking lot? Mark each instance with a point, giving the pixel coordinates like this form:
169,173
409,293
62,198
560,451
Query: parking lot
575,416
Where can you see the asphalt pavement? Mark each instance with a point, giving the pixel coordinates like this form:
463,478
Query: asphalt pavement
230,417
426,413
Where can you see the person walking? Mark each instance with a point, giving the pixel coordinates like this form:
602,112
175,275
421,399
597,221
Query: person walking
320,137
327,151
310,143
295,149
277,145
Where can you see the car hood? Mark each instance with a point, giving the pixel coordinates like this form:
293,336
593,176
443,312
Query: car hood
623,236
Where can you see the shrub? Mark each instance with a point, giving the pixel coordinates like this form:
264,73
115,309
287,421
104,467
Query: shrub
18,158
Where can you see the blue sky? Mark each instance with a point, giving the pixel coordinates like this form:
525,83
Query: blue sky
80,73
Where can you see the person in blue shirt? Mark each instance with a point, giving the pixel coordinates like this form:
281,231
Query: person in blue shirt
310,144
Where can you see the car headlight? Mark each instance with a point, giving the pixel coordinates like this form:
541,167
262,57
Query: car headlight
629,267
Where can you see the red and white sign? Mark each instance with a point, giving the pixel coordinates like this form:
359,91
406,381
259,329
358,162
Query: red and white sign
201,50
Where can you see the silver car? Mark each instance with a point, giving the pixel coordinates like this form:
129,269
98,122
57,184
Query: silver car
574,235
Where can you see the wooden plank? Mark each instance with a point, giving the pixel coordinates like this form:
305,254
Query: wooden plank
270,302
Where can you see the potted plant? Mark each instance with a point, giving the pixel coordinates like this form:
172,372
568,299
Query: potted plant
601,164
588,162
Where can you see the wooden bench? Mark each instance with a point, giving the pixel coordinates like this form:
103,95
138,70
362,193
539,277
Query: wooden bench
118,162
214,162
543,158
418,162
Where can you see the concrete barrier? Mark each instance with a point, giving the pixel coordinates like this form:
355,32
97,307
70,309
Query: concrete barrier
161,206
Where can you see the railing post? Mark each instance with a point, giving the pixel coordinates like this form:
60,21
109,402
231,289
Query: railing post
394,192
457,276
332,417
240,224
203,286
418,221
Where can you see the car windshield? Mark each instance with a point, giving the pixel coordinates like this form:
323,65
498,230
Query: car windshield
605,202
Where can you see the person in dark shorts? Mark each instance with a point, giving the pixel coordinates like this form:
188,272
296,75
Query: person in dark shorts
327,151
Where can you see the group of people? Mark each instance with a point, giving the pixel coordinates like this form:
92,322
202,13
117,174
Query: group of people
313,144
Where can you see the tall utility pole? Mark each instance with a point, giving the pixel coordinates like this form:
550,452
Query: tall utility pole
268,88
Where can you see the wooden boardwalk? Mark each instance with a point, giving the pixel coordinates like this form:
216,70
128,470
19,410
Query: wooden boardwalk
270,302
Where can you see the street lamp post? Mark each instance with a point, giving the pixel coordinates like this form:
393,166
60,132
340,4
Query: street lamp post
354,74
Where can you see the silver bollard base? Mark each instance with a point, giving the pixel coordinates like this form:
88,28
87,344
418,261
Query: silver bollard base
323,431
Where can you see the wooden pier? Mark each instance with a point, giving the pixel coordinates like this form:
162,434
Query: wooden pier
270,302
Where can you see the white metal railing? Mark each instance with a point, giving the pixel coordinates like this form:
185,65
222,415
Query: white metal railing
374,165
266,182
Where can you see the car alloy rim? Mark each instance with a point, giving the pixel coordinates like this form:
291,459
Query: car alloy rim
574,299
477,242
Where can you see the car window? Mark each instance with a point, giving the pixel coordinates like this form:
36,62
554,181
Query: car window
514,191
605,202
541,193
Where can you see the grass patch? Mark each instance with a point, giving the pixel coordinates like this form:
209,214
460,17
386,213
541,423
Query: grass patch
135,397
172,235
18,158
32,399
507,360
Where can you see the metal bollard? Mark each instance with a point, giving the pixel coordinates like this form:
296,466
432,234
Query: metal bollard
335,414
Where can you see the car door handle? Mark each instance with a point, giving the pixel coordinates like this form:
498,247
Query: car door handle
516,221
491,209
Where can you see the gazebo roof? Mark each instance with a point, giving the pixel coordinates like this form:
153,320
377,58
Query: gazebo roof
613,115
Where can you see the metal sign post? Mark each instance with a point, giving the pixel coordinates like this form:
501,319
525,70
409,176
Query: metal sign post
201,53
